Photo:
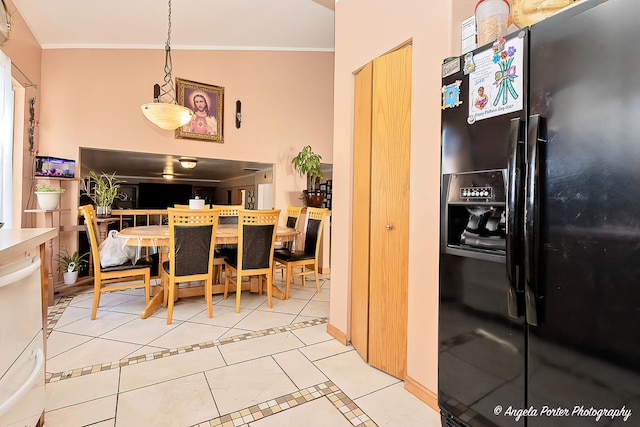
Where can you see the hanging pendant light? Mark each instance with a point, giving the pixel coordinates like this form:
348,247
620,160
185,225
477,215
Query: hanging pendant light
188,162
163,111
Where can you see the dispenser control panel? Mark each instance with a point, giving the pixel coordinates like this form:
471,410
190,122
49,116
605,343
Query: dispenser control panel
476,193
478,188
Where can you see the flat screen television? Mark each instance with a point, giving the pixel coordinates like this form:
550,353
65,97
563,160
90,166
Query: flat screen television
55,167
162,196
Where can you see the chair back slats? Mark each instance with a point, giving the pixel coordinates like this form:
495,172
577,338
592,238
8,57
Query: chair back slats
192,247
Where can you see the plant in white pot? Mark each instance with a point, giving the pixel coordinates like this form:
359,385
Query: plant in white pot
307,163
48,197
103,190
70,265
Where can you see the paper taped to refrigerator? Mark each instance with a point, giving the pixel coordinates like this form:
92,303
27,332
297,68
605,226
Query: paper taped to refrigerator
496,83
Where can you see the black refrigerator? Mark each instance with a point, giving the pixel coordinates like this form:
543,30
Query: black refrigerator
539,314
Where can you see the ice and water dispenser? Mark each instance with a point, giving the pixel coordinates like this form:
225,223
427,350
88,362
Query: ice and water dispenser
474,210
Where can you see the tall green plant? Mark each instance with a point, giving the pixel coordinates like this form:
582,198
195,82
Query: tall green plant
103,188
307,163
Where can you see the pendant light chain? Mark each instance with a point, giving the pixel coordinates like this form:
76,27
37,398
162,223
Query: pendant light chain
168,91
164,111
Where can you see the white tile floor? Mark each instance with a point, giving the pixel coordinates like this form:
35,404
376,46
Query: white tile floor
261,367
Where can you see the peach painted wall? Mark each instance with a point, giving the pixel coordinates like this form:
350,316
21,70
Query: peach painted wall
366,29
92,98
25,52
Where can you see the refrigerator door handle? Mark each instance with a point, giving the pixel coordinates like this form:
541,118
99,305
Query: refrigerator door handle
515,292
533,293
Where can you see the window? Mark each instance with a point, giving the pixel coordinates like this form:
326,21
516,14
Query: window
6,140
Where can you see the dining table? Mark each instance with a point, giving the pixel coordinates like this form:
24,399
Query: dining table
157,236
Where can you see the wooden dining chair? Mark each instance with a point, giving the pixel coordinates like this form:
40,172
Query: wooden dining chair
256,240
106,279
307,259
228,215
291,221
192,236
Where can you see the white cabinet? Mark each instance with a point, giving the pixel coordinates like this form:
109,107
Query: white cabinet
22,391
22,313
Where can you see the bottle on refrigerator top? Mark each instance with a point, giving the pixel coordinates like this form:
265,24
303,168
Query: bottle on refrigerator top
492,20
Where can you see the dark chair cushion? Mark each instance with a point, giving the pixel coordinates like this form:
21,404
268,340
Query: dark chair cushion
291,221
287,255
192,246
152,260
256,246
226,251
232,259
311,236
281,250
227,220
126,266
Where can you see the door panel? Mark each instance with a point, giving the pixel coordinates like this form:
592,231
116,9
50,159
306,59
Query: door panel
389,232
587,343
361,212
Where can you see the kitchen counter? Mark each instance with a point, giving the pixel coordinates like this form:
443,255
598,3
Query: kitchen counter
14,241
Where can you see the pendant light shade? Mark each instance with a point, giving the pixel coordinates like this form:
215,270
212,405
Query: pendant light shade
167,116
163,111
188,162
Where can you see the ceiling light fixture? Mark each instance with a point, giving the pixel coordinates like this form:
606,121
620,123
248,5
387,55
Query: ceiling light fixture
167,175
188,162
163,111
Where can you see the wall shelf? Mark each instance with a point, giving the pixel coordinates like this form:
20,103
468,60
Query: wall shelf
58,178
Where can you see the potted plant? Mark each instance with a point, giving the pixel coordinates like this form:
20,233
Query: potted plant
103,190
48,197
307,163
69,265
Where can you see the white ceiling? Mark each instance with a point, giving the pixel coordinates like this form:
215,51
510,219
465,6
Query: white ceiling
306,25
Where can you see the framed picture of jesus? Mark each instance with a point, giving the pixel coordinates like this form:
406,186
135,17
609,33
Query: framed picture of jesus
206,101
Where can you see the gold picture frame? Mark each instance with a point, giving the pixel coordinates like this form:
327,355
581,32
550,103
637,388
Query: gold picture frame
207,102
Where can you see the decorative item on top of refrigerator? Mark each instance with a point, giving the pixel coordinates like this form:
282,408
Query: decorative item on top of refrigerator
492,20
528,12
